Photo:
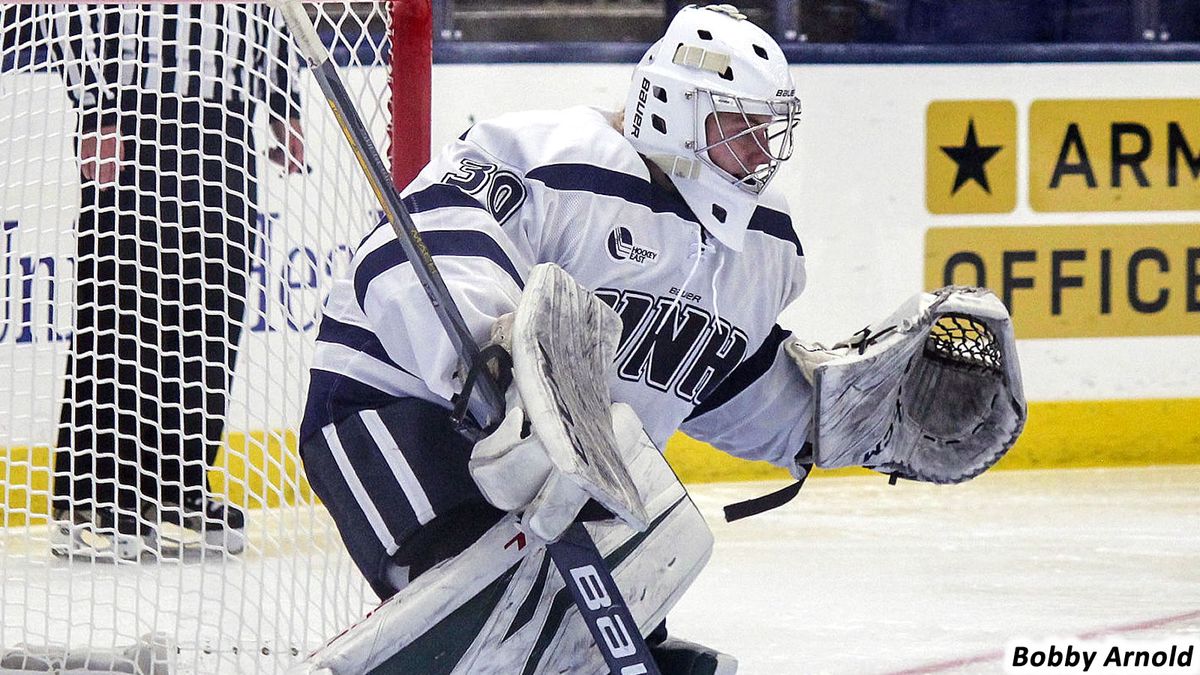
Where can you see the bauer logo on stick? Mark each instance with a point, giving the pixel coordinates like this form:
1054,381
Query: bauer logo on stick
617,639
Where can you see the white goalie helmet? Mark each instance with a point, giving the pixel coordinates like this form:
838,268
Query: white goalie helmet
713,104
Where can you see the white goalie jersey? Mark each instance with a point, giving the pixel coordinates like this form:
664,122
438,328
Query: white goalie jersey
699,350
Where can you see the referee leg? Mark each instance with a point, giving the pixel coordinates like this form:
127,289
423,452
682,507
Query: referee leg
97,457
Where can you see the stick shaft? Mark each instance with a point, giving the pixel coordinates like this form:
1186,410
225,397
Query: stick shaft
610,622
487,401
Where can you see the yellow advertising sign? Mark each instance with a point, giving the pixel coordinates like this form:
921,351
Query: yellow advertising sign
1078,281
970,157
1114,155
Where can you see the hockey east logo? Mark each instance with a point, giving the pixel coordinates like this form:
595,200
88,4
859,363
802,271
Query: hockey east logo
621,247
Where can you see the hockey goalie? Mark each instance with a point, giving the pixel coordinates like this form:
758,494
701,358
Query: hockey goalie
633,265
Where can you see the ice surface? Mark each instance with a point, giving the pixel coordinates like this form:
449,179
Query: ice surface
856,576
853,576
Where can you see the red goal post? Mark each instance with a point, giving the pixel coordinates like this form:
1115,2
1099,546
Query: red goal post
412,75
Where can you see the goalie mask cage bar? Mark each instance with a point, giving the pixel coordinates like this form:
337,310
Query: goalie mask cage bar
176,257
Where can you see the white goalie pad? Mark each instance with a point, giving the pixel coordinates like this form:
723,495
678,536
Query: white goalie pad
564,339
932,393
500,607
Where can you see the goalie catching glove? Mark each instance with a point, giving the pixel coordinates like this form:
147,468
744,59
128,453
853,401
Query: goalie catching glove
933,393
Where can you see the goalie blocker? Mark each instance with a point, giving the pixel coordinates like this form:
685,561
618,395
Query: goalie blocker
932,393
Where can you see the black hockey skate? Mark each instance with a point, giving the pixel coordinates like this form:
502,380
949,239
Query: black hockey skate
221,525
101,534
680,657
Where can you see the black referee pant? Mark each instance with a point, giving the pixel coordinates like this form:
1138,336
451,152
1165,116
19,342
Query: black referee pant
161,274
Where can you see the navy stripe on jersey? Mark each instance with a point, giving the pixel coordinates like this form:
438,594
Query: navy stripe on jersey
439,196
332,397
635,190
371,468
602,181
436,196
775,224
328,482
469,243
383,222
357,338
746,373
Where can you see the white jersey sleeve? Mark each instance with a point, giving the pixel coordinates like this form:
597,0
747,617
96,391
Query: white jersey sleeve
761,411
461,203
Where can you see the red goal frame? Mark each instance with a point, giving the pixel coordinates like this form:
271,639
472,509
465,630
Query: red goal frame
411,79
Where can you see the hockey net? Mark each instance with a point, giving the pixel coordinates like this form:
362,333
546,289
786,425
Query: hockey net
120,315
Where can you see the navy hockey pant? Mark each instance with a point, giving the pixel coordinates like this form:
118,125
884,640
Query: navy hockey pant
396,482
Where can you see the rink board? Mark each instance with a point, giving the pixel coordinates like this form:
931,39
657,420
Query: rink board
1105,293
263,469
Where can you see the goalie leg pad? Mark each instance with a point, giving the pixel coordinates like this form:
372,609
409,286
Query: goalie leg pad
500,606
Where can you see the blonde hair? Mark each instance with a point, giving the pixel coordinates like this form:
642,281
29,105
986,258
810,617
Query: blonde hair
616,119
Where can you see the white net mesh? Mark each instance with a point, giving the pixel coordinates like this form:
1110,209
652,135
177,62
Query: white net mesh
166,240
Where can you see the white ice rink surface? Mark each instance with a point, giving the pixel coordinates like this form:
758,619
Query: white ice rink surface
856,576
853,576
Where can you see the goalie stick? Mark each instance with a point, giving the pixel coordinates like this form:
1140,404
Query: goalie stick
584,571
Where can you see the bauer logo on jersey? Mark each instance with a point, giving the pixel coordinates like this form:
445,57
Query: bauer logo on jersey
971,157
621,247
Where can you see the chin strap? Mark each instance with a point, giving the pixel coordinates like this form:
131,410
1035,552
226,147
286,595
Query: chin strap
676,166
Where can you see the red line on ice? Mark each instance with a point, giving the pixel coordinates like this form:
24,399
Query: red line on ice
943,666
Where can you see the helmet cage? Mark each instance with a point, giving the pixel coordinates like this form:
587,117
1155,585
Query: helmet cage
769,122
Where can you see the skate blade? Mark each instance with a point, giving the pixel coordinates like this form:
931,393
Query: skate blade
189,543
75,540
230,541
